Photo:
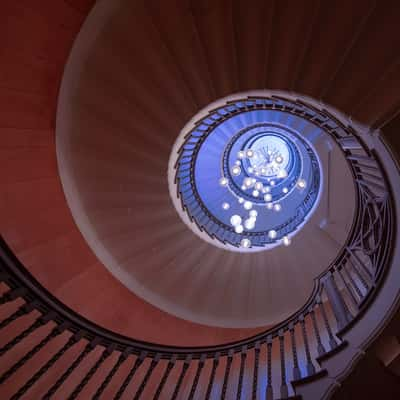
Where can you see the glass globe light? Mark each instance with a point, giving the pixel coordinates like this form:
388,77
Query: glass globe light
248,182
236,220
282,173
258,186
268,197
301,184
223,181
236,170
272,234
249,153
247,205
239,228
245,243
255,193
253,213
225,206
250,223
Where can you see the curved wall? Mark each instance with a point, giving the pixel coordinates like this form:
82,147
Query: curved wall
35,219
318,59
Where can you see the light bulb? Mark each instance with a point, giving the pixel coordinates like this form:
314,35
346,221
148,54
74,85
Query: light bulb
239,228
258,186
253,213
285,190
240,154
248,182
277,207
282,173
286,241
250,223
268,197
236,220
270,206
256,193
247,205
272,234
236,170
225,206
223,181
249,153
301,184
245,243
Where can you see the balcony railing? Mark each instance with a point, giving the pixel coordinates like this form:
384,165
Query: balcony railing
282,357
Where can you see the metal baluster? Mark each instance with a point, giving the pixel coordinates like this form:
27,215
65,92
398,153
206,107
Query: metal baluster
88,348
339,307
284,388
212,375
269,389
227,372
11,295
146,378
8,346
168,370
55,332
243,356
296,369
24,309
310,366
200,367
123,356
255,372
332,341
349,289
353,283
72,340
359,275
320,347
181,376
361,264
127,380
105,354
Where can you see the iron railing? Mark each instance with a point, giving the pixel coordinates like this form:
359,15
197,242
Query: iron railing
281,356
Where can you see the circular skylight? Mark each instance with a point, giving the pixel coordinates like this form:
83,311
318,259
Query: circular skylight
244,177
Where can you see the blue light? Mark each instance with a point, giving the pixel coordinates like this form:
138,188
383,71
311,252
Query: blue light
245,161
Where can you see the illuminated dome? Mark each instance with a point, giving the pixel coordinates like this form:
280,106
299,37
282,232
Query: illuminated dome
246,174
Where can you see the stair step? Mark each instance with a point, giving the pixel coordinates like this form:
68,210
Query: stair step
307,379
332,352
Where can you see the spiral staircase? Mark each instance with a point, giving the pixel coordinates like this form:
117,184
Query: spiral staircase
107,291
